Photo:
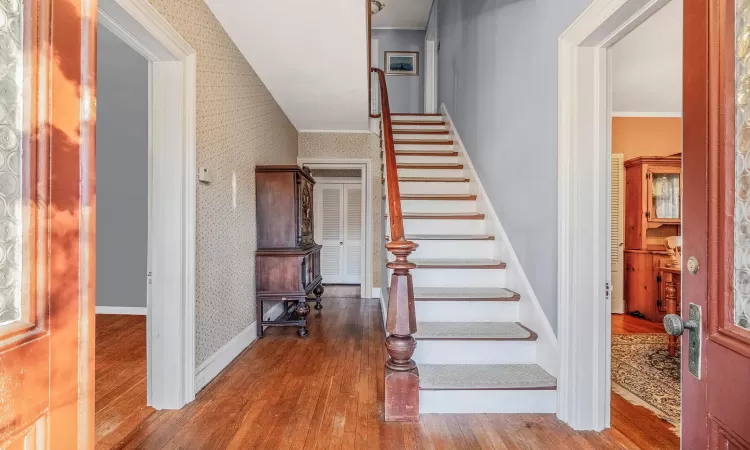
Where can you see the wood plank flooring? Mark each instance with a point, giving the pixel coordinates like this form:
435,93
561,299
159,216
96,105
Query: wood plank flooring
322,392
627,324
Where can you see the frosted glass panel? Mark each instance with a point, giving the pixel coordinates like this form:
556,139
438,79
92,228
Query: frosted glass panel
665,195
11,88
742,168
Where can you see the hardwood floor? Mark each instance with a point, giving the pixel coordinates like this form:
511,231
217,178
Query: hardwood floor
321,392
627,324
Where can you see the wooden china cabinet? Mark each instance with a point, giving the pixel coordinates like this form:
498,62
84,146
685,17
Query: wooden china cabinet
287,262
653,202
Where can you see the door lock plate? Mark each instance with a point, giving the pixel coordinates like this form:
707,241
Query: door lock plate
694,341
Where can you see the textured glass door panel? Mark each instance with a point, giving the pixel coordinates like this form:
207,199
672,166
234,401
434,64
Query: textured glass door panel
11,89
665,195
742,169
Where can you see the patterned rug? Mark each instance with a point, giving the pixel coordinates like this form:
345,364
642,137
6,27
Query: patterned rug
644,374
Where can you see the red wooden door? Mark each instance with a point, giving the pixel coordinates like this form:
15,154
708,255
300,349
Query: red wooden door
47,80
716,231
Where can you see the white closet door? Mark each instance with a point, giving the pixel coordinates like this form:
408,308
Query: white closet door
616,237
352,233
329,230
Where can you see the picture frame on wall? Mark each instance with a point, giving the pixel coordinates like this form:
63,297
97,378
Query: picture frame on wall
402,63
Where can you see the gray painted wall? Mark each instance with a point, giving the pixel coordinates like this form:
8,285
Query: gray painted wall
121,173
497,76
405,93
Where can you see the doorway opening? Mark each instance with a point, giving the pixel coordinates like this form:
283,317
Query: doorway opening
646,223
343,224
586,251
146,242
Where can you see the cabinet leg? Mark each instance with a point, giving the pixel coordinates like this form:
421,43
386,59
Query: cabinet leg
302,311
318,291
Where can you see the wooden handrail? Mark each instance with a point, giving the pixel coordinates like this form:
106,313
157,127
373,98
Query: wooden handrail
401,374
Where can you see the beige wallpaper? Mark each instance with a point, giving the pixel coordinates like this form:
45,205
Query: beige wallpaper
239,125
353,145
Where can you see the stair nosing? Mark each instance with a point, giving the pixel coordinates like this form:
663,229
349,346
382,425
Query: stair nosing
532,337
425,153
439,216
422,142
417,122
448,237
427,166
428,131
515,298
450,197
433,180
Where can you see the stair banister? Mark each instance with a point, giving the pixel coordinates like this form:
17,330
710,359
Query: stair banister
401,374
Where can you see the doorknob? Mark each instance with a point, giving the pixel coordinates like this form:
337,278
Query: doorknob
674,325
341,243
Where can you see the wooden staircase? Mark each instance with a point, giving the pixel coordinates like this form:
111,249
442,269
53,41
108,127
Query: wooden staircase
472,353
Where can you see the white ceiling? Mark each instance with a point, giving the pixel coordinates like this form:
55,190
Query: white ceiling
313,60
647,65
409,14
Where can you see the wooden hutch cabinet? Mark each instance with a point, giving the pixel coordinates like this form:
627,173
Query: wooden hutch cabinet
287,262
653,203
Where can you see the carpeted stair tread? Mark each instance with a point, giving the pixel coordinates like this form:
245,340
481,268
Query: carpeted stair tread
458,263
474,331
484,377
474,293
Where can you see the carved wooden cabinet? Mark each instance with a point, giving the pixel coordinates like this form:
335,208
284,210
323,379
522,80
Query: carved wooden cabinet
287,262
653,202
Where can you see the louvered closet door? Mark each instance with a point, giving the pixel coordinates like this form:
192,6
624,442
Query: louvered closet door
616,237
352,233
329,230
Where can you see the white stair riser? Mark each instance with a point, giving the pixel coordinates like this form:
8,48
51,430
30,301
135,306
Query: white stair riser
466,311
416,118
443,226
434,187
458,277
487,401
474,352
427,126
431,173
421,137
424,147
429,249
439,206
408,159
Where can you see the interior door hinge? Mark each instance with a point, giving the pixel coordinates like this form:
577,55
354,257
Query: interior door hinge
607,290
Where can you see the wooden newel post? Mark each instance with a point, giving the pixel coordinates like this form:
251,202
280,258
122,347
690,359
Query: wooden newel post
401,374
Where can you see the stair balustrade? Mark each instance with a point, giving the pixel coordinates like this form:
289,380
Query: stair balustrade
401,373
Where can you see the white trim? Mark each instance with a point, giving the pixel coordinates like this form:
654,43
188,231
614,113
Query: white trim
338,180
383,307
530,311
430,76
376,292
172,90
336,131
401,28
365,165
211,367
125,310
645,114
584,321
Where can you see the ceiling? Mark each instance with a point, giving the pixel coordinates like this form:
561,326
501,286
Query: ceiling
407,14
647,66
317,73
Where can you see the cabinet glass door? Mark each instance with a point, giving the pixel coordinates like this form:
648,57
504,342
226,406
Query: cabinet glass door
665,196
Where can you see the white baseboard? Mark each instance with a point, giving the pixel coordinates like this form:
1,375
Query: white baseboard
618,306
530,311
384,307
210,368
376,293
127,310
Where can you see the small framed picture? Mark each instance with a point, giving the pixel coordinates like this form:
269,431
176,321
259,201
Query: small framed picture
402,63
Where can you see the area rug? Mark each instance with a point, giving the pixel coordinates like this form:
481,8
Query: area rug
644,374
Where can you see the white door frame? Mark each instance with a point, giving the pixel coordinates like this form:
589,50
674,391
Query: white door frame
365,167
172,93
584,320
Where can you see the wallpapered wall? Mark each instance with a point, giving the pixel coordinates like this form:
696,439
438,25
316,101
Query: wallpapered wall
239,125
353,145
